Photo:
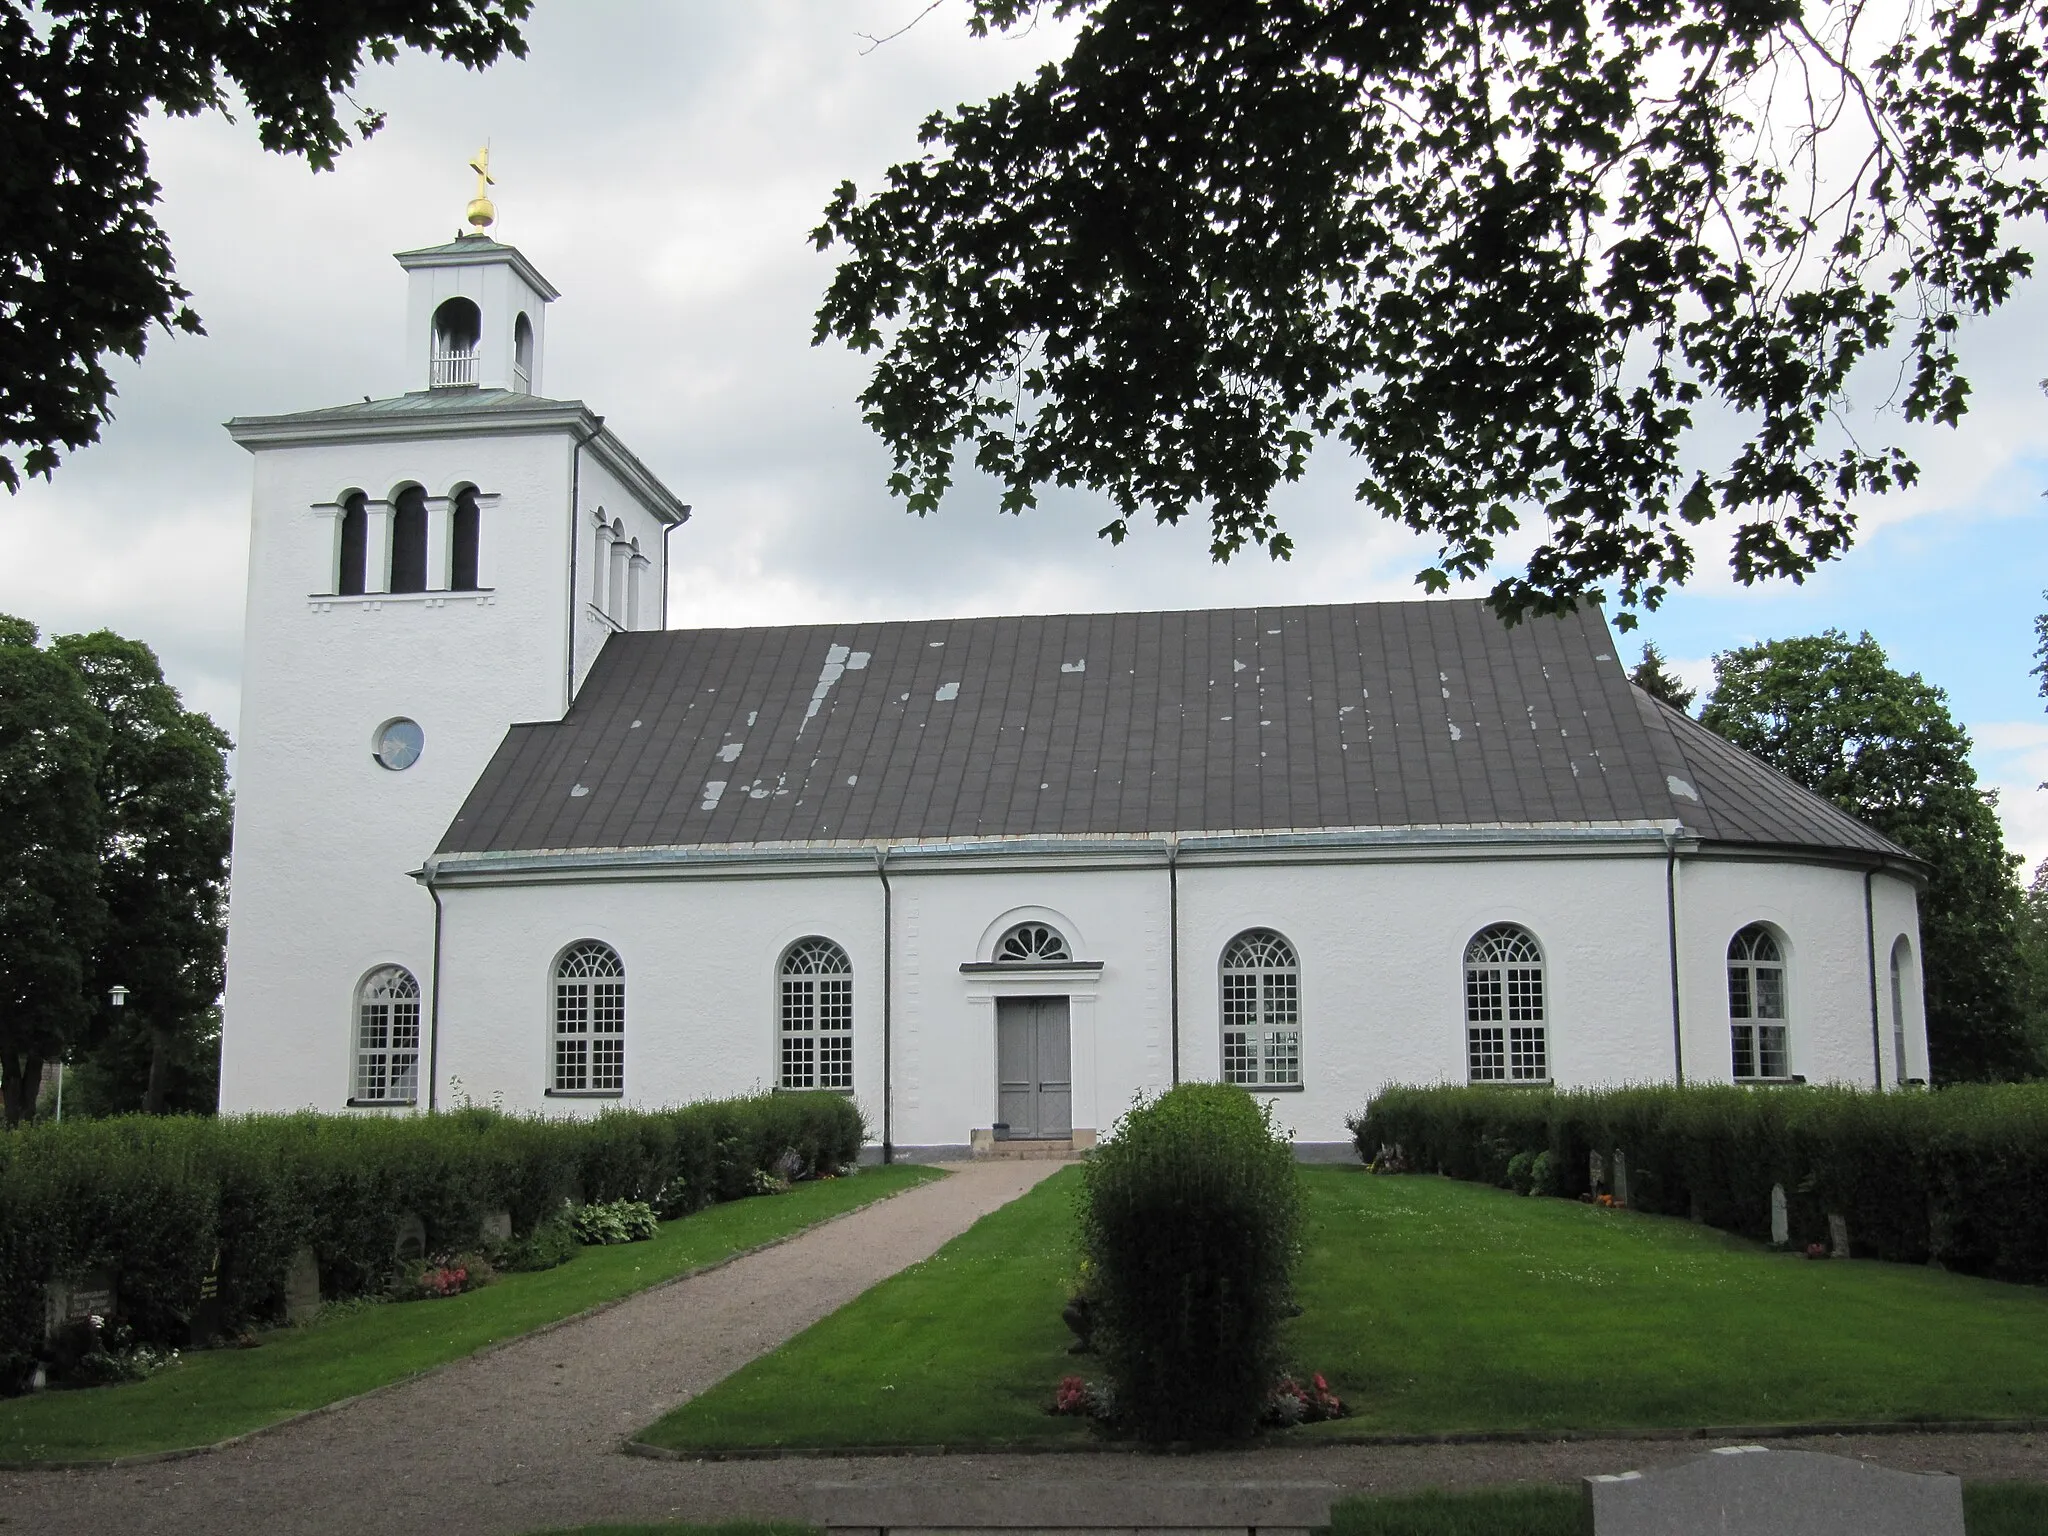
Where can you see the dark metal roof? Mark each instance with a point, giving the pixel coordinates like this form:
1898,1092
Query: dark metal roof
427,402
1372,715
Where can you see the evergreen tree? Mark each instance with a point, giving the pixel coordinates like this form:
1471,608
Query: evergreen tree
1832,714
1659,681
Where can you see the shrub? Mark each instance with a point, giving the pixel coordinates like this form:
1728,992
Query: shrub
1958,1176
551,1243
174,1207
1189,1222
617,1221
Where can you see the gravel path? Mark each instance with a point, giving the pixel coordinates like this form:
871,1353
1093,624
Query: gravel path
526,1438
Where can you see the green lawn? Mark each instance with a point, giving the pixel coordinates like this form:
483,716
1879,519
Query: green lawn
219,1393
1432,1306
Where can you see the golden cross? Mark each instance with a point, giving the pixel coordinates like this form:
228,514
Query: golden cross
481,214
482,166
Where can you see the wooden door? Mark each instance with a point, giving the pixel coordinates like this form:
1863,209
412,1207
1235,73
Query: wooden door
1034,1070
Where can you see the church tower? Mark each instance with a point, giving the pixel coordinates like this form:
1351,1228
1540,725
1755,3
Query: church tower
424,572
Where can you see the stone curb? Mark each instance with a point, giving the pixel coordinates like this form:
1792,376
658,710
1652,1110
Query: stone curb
183,1453
1456,1437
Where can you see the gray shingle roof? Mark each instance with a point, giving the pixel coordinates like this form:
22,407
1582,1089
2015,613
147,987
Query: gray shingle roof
1372,715
427,402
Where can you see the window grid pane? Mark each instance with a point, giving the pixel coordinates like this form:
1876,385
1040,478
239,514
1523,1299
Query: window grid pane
1506,1038
1760,1048
817,1016
387,1038
1261,1012
1486,1046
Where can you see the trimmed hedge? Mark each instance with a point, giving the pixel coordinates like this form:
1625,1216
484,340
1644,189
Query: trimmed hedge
1190,1219
158,1201
1956,1177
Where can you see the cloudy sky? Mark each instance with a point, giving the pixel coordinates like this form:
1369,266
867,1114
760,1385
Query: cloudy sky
663,162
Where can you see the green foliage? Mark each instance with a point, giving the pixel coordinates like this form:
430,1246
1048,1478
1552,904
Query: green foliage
2033,962
551,1243
1504,253
1659,681
1832,714
616,1221
157,1200
1190,1222
1957,1177
52,742
86,266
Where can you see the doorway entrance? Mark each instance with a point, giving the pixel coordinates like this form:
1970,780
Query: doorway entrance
1034,1070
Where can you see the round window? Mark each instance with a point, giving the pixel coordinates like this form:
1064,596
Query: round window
399,743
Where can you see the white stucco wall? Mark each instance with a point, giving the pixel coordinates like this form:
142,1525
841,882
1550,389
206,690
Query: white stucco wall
1381,945
325,838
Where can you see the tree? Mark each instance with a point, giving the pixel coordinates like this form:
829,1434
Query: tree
1504,251
166,823
1659,682
52,742
1832,714
2033,946
85,269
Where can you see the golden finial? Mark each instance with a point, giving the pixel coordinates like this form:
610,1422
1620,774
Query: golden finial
482,212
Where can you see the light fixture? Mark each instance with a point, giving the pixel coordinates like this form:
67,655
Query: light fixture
118,997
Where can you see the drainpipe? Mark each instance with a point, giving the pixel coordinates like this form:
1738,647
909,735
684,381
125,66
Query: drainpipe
888,990
1173,944
434,1000
1870,945
671,528
1671,943
575,503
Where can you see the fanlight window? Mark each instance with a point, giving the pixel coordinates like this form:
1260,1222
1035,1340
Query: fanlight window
1756,1005
817,1016
387,1037
354,555
1261,1011
590,1021
464,536
1506,1030
409,541
1033,943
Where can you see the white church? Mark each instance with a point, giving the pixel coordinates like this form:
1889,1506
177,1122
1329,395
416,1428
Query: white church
504,835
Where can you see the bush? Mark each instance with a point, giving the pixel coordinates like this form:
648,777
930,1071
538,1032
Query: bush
1190,1215
175,1207
618,1221
1958,1176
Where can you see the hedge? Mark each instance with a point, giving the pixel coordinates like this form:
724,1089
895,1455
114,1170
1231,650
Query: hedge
1190,1219
1956,1177
163,1204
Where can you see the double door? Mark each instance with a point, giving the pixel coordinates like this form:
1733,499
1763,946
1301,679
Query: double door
1034,1068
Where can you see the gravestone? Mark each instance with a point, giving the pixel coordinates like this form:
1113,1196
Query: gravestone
1746,1490
302,1288
1838,1236
496,1228
207,1322
1620,1177
1596,1172
1781,1220
410,1240
74,1299
1032,1507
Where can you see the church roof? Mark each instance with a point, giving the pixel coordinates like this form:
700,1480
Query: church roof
1252,720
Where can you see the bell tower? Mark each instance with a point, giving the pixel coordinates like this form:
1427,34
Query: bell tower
425,571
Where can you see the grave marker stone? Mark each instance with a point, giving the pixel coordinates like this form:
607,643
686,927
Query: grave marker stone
1781,1220
1746,1490
1620,1177
410,1241
72,1300
497,1227
302,1287
1838,1236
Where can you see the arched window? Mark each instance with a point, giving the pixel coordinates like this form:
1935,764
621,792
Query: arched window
355,546
522,354
1506,1038
409,541
590,1020
1756,1005
387,1037
1261,1011
1902,988
622,551
601,562
458,326
463,532
817,1016
1030,943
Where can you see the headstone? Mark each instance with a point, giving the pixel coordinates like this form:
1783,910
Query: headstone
1838,1236
1746,1490
72,1300
1620,1177
497,1227
1596,1172
207,1321
410,1241
302,1288
1781,1220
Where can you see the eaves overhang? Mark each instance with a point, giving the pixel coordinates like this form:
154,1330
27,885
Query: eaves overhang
1100,852
470,251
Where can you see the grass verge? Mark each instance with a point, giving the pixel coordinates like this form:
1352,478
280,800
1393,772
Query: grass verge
1433,1307
216,1394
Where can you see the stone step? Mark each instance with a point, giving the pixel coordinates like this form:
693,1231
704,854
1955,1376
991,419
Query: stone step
1063,1147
